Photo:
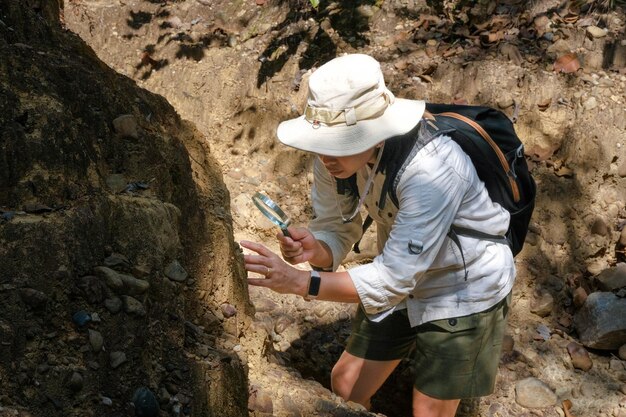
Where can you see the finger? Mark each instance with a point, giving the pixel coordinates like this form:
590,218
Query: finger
259,269
256,247
284,239
258,282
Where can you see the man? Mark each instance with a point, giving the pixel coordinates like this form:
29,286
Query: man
421,290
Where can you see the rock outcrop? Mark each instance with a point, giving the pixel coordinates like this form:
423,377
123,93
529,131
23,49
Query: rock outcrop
116,247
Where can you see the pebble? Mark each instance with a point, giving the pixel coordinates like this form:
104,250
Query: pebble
95,340
126,126
116,183
534,393
146,404
75,382
590,104
579,356
107,401
116,260
622,352
133,306
33,298
116,359
228,310
616,365
175,272
542,305
596,32
81,318
579,297
114,305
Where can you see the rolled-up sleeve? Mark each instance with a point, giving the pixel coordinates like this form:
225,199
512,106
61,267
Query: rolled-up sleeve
429,194
327,224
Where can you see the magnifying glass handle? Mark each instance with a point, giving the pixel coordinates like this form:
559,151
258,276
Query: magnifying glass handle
285,231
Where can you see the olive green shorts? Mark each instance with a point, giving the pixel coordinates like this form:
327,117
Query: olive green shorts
453,358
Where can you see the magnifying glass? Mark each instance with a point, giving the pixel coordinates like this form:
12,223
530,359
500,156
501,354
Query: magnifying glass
272,211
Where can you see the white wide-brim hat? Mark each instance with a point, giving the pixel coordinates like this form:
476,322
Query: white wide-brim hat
349,110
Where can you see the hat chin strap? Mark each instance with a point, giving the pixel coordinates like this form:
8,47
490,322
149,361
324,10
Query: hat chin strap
370,110
368,185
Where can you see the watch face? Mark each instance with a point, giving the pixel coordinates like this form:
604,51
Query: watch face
314,284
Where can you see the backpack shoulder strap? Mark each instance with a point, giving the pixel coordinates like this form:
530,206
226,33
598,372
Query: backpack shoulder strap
428,131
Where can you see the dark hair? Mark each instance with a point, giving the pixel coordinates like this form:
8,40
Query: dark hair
395,152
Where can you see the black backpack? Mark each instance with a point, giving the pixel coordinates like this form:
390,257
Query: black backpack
489,139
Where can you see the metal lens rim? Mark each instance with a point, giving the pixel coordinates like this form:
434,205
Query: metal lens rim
262,202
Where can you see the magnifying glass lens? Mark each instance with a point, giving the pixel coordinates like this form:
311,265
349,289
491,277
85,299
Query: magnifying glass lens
272,211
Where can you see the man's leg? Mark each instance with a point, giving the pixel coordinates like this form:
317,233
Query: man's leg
357,379
425,406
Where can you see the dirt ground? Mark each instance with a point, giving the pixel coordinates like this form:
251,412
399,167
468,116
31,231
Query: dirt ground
236,68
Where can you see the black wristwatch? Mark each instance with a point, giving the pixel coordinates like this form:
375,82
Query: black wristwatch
314,285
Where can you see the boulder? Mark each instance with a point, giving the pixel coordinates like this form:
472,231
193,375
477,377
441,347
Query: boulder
600,322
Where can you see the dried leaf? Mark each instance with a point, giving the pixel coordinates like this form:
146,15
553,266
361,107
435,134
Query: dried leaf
567,63
571,18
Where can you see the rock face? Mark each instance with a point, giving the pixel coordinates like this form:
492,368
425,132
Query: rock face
102,186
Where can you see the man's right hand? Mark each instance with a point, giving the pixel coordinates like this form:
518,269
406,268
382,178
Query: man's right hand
302,246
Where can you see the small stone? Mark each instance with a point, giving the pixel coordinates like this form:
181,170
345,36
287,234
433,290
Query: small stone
117,260
81,318
95,340
590,104
107,401
126,126
116,183
175,272
505,103
164,396
579,356
616,365
33,298
114,305
579,297
228,310
533,393
599,227
542,305
75,382
110,276
133,306
612,278
596,32
116,359
146,404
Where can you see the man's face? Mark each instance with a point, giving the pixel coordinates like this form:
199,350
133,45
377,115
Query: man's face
344,166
